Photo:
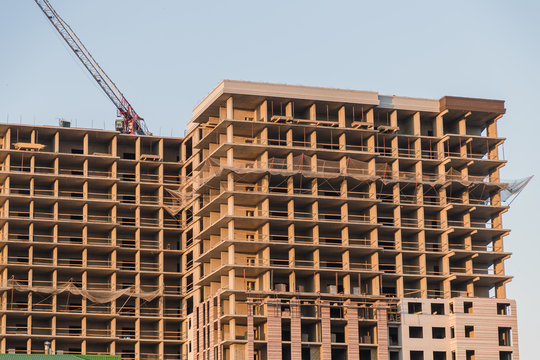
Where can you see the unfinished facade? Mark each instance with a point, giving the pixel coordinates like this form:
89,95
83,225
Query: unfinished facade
320,214
90,257
290,223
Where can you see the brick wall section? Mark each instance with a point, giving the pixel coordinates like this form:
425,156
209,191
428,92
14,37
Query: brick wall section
326,349
514,331
483,318
382,331
296,331
352,333
250,332
211,328
219,336
486,323
274,330
201,329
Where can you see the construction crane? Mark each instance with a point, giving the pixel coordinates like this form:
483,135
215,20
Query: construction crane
131,123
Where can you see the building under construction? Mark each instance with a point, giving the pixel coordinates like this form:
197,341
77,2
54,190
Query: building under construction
290,223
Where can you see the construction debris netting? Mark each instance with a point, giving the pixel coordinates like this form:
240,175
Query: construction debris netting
512,190
308,167
95,296
179,197
301,164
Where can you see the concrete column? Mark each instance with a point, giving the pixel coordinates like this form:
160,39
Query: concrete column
394,141
262,112
230,109
289,109
230,134
313,112
341,117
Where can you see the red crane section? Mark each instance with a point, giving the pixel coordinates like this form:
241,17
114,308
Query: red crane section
132,123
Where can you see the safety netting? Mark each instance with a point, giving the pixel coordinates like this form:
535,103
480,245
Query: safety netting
96,296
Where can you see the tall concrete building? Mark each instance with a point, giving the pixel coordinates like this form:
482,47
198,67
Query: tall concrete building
290,223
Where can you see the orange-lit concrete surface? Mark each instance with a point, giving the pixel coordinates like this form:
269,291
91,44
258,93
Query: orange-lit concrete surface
291,222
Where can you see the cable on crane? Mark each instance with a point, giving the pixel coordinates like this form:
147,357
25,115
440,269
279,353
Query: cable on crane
132,123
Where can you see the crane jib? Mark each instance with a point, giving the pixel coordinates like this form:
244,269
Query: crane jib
132,122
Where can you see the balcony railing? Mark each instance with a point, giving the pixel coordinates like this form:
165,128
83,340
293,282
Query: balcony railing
472,224
412,269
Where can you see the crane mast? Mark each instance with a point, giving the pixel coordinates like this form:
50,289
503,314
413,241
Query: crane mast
132,123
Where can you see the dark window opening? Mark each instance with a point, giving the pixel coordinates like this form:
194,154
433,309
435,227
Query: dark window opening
415,308
393,336
189,148
189,169
416,332
438,333
189,282
503,309
189,305
189,215
364,355
437,309
285,335
189,260
439,355
504,336
189,237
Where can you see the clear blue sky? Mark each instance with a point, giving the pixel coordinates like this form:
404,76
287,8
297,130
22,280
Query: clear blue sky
166,55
